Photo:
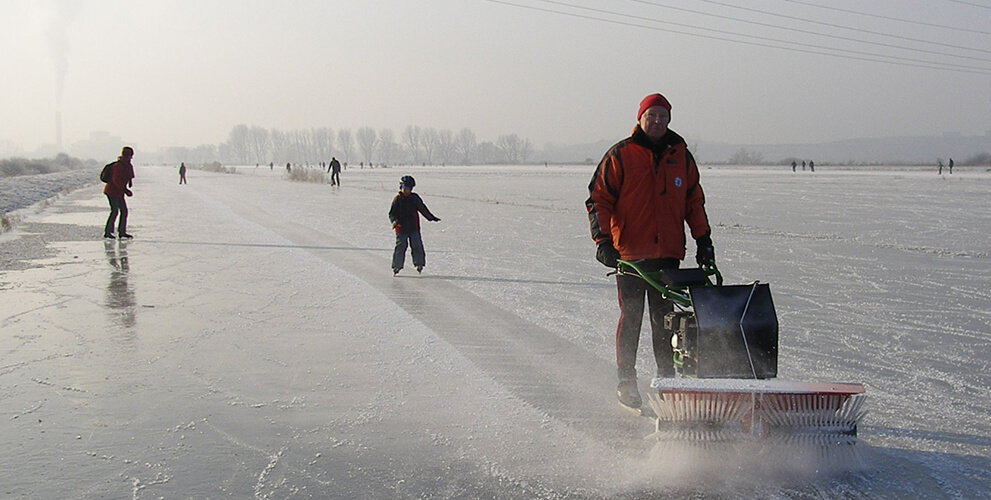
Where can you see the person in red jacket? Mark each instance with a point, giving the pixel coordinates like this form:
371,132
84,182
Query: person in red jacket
643,193
121,179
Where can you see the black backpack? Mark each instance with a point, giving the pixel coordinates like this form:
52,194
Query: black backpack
107,172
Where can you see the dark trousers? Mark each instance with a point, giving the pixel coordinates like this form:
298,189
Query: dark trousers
117,205
335,179
414,242
632,290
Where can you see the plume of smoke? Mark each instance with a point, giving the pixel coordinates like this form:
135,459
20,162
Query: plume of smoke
60,14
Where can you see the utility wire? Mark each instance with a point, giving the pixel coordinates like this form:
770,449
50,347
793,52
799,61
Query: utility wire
821,23
972,4
764,41
889,18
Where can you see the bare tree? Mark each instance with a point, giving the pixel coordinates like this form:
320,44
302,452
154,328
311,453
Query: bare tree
486,153
367,141
445,146
196,156
412,139
464,145
238,144
299,146
259,144
514,149
323,144
345,141
280,146
745,157
430,142
526,149
388,147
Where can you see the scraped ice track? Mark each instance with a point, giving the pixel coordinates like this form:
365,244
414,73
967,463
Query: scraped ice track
553,376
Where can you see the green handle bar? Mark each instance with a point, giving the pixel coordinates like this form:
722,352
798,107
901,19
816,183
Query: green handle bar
676,294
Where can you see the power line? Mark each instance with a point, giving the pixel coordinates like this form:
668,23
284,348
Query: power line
817,50
961,2
821,23
764,41
889,18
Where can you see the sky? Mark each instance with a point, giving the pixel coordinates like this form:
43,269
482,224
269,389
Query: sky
185,72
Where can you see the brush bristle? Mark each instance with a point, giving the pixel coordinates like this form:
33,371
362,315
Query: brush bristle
700,406
819,412
762,413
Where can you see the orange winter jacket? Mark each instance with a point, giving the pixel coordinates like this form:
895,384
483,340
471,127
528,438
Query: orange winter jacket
643,194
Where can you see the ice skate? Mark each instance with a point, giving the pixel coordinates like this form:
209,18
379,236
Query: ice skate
629,395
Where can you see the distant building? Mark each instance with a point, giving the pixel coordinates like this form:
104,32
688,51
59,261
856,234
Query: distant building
100,146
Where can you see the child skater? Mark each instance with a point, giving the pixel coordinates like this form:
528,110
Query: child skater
405,216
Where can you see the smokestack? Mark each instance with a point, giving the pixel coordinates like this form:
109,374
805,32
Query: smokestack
58,130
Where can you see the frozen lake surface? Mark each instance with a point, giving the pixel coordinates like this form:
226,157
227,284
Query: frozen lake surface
252,341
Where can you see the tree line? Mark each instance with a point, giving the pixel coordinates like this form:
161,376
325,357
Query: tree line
417,145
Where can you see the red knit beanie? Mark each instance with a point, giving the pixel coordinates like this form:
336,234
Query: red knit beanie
651,101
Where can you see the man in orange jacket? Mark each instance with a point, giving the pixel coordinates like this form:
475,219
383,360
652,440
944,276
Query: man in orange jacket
644,191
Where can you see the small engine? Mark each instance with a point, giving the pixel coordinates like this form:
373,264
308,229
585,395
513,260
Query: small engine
730,332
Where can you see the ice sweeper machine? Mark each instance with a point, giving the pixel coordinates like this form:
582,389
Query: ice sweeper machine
725,344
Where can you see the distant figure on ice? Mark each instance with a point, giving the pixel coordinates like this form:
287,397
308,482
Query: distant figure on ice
121,178
803,165
405,217
643,193
288,168
271,165
950,166
335,171
182,173
939,167
812,166
793,165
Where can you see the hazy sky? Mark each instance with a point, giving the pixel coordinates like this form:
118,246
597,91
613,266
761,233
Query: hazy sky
184,72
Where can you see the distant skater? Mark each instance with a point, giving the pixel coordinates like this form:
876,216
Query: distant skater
950,166
182,173
793,166
335,172
121,179
405,217
803,165
812,166
288,168
939,167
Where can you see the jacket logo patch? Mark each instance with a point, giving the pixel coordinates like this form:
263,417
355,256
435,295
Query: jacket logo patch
677,182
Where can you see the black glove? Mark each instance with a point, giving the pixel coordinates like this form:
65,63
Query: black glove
607,254
705,253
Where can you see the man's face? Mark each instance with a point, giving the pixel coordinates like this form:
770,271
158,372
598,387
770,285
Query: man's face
654,122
